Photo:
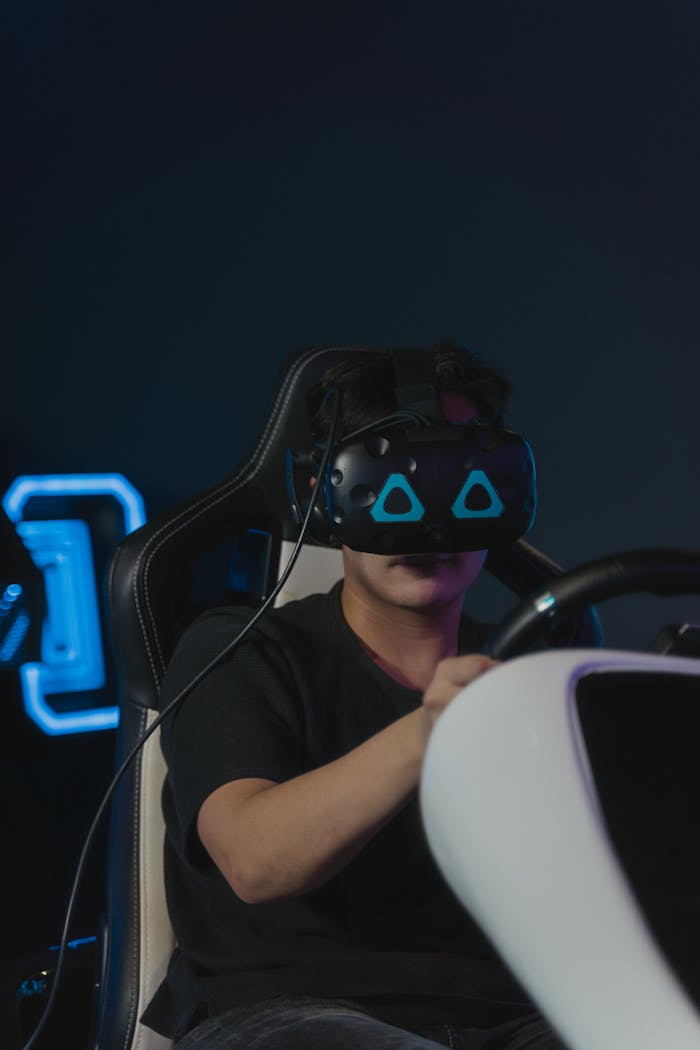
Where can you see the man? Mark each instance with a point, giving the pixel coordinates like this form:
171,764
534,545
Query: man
307,908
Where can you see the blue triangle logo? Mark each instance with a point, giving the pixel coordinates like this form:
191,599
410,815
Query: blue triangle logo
460,508
394,483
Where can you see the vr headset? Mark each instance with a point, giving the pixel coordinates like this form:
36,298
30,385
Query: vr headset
414,483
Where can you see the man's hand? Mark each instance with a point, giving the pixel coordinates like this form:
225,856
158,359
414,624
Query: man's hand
450,678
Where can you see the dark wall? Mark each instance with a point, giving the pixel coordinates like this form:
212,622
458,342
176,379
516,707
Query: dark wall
198,190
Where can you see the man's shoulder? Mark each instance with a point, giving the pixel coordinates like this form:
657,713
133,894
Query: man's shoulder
312,615
288,637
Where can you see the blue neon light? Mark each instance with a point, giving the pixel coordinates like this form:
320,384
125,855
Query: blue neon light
71,644
24,488
460,508
14,638
12,593
17,632
34,693
72,659
31,986
393,483
77,942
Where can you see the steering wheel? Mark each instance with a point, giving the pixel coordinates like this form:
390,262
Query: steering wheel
660,571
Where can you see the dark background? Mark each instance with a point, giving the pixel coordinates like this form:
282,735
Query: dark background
194,192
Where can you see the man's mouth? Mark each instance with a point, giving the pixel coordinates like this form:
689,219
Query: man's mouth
424,561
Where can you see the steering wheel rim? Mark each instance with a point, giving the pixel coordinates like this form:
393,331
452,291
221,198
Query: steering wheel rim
660,571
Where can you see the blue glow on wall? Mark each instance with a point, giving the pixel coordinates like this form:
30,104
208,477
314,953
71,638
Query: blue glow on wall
72,659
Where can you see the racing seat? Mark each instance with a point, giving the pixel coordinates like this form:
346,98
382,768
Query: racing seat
229,544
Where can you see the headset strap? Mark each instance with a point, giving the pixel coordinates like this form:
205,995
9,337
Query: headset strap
415,383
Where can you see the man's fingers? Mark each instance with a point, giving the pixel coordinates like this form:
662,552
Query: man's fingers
451,676
461,670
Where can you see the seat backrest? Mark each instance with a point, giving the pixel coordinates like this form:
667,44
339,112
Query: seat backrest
228,544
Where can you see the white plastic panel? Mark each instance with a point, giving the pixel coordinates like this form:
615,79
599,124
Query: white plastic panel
512,817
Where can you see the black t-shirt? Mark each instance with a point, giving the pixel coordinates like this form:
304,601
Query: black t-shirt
299,692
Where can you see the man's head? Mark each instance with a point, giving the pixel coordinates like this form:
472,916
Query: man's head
366,381
467,389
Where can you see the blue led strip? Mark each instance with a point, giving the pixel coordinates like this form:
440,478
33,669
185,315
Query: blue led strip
72,659
13,636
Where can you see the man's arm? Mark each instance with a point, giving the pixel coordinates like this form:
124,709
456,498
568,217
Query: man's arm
273,841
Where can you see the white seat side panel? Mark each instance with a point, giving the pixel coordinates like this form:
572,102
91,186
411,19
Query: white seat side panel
315,571
156,934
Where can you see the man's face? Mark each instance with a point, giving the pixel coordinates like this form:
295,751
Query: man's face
416,581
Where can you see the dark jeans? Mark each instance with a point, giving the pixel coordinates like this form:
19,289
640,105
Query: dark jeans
301,1023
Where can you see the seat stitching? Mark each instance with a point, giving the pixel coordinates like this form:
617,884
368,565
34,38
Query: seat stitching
192,511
